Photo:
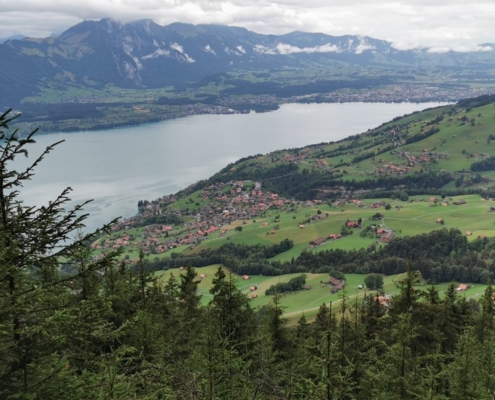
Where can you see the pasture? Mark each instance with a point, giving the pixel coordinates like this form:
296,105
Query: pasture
306,302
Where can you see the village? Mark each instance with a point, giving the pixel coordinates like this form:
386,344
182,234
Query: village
219,211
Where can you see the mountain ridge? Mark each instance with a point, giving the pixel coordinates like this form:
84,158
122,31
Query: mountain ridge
143,54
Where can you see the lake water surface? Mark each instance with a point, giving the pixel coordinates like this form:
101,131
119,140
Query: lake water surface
118,167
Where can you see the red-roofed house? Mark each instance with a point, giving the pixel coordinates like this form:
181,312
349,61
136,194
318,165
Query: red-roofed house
462,287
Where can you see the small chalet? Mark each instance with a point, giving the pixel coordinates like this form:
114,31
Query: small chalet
481,236
254,296
432,199
469,233
337,284
252,288
245,277
317,242
379,231
462,287
307,287
386,238
181,268
439,220
301,226
332,236
459,202
383,300
352,224
202,276
360,286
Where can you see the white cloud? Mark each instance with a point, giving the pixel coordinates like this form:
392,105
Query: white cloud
157,53
363,46
208,49
283,48
177,47
241,49
459,49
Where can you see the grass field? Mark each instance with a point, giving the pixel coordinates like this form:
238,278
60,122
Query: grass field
304,301
412,218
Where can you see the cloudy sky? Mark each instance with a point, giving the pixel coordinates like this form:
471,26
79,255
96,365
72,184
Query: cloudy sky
456,24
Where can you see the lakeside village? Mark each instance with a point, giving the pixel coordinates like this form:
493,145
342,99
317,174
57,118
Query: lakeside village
220,205
169,222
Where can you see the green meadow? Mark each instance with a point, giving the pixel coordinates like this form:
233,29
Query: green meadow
416,216
306,302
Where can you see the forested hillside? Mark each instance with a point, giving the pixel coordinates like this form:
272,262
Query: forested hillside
75,326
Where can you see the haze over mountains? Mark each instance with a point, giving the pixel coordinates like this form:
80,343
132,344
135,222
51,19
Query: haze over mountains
143,54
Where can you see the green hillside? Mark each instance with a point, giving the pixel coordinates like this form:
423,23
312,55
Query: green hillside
444,153
305,302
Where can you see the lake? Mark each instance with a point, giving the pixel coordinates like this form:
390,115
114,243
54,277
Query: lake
118,167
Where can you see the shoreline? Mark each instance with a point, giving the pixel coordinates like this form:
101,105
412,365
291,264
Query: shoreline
124,125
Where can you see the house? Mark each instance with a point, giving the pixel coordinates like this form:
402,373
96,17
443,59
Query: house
388,237
352,224
317,242
481,236
462,287
301,226
439,220
307,287
337,284
433,199
360,286
252,288
379,231
459,202
181,268
273,231
202,276
254,296
332,236
383,300
469,233
245,277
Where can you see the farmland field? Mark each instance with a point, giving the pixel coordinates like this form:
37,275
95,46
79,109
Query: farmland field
304,302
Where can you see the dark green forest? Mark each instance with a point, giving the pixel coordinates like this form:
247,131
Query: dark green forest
107,331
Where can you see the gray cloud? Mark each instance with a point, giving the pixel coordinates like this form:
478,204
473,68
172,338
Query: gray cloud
441,25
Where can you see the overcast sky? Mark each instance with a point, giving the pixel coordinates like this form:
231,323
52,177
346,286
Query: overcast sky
456,24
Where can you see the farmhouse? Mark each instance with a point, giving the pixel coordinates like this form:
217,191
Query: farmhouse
383,300
386,238
439,220
462,287
307,287
337,284
252,288
317,242
459,202
245,277
352,224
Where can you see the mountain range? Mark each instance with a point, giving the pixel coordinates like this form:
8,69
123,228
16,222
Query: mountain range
143,54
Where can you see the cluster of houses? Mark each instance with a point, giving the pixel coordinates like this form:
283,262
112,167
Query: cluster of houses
336,284
423,158
390,169
219,205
